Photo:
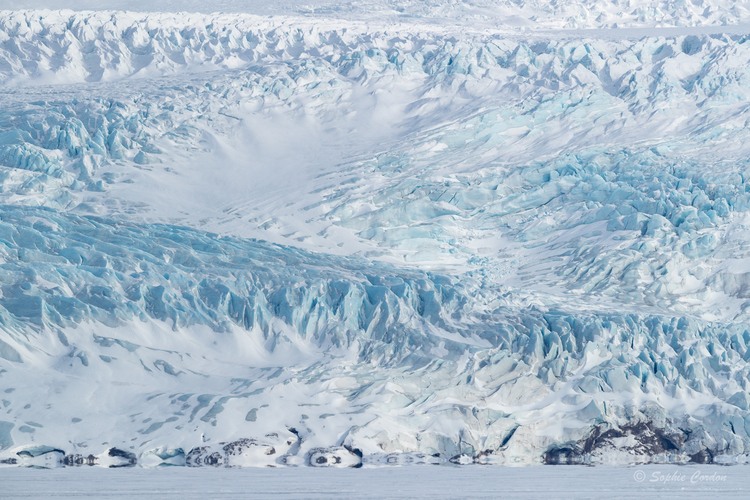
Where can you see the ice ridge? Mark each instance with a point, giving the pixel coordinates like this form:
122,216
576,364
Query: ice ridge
414,348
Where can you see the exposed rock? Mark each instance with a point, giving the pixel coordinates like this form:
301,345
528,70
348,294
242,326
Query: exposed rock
116,458
336,456
78,460
640,442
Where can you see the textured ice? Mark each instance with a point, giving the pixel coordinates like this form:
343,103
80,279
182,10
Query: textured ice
232,240
481,373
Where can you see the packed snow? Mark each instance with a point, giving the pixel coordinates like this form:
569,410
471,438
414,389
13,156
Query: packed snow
391,237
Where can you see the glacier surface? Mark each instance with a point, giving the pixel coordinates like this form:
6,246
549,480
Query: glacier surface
233,240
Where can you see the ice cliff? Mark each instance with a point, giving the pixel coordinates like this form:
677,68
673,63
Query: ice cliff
232,240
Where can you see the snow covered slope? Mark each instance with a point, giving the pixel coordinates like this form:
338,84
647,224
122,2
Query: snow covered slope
242,240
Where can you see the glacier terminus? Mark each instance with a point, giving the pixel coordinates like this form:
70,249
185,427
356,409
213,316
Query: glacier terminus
344,234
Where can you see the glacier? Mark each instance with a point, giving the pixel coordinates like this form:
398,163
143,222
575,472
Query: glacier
527,14
241,240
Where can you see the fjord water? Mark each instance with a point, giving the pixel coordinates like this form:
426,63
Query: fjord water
457,483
